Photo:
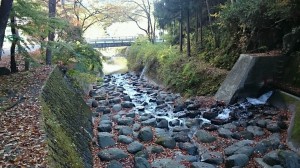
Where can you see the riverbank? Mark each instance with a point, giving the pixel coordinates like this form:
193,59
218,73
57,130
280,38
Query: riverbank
138,123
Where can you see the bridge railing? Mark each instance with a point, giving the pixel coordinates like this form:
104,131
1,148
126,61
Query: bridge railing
112,39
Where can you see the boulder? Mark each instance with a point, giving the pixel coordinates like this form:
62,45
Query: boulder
105,139
112,154
204,136
145,134
166,163
140,162
202,165
239,160
167,142
124,139
134,147
125,130
114,164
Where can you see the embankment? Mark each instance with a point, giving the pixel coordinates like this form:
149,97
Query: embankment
67,122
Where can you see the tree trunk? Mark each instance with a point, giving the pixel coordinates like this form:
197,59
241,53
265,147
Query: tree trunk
52,12
5,8
15,34
181,30
188,41
197,27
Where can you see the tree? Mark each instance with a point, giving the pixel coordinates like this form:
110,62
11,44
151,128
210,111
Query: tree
51,35
15,40
5,8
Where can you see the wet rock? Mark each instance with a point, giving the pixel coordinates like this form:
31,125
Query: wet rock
127,104
115,101
209,127
163,123
272,158
94,103
273,127
190,122
149,122
181,129
140,162
190,148
145,117
179,107
166,163
239,160
204,136
106,111
112,154
219,121
193,114
125,121
174,123
126,98
212,158
116,117
289,159
237,146
130,114
155,149
202,165
145,134
271,112
140,108
114,164
124,139
125,130
257,131
100,109
117,107
167,142
105,139
136,127
225,133
134,147
210,114
181,137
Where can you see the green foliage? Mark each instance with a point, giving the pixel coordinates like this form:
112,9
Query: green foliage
187,75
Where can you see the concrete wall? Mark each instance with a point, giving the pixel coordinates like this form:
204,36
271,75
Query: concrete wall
247,77
67,122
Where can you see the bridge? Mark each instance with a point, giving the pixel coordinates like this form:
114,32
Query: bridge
104,42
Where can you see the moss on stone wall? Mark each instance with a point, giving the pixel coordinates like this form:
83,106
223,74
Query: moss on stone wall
67,122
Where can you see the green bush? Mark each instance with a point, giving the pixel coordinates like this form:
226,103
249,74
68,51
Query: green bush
188,75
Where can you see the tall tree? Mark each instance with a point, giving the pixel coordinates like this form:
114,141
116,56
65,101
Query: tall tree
15,39
5,8
51,35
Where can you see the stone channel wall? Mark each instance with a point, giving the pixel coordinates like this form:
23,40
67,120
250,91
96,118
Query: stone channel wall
67,122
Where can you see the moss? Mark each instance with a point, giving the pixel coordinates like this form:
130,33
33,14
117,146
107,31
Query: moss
67,119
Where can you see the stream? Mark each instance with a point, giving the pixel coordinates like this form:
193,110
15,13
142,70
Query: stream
138,124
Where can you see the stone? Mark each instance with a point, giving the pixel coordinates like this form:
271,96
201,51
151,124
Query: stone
192,107
210,114
104,127
204,136
261,123
225,133
117,107
126,98
149,122
188,158
257,131
174,122
124,139
209,127
193,114
155,149
163,123
127,104
230,126
94,103
289,159
114,164
167,142
243,135
131,114
140,162
230,150
273,127
134,147
212,158
116,117
181,129
125,121
271,143
239,160
136,127
105,139
143,154
179,107
115,101
202,165
125,130
190,148
181,137
112,154
145,134
247,150
272,158
166,163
